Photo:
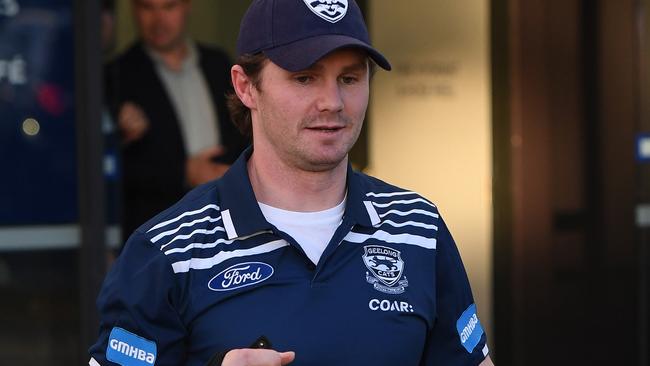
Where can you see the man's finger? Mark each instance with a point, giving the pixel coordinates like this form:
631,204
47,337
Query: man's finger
287,357
129,110
257,357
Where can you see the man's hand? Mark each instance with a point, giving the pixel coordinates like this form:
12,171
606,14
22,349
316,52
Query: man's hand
202,168
132,122
257,357
487,362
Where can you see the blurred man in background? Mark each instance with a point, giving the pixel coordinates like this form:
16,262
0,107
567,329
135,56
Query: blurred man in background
167,94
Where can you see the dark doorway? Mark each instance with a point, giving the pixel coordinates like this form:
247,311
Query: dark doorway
566,112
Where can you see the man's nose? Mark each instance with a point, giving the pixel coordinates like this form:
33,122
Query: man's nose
330,98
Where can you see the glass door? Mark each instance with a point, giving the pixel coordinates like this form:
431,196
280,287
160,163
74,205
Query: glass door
44,187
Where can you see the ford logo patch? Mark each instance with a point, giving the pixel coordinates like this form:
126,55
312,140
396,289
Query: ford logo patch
240,275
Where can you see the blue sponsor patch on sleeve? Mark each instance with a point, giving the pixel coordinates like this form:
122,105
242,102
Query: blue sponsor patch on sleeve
469,328
128,349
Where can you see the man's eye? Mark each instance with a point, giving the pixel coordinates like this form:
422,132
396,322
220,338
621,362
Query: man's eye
303,79
348,79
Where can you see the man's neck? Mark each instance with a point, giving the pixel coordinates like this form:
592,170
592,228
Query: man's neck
277,184
174,56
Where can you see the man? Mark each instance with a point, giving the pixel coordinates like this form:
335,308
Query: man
292,257
167,94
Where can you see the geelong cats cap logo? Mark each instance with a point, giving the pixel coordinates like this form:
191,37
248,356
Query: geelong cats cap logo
386,266
330,10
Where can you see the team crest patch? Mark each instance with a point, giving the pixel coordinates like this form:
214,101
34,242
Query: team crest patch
386,268
330,10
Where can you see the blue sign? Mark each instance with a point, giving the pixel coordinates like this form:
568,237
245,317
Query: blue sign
37,113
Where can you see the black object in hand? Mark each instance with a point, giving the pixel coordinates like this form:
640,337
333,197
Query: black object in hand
261,343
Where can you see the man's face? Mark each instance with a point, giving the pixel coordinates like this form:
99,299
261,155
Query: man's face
161,22
310,119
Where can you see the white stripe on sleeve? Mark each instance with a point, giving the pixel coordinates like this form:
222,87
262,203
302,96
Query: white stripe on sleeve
188,213
205,263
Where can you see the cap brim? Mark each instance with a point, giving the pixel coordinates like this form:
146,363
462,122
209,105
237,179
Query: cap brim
301,55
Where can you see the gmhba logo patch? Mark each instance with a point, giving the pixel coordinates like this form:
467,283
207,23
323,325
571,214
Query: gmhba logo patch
128,349
330,10
469,328
386,266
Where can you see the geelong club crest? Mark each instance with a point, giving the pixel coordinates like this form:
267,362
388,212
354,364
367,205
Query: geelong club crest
330,10
386,267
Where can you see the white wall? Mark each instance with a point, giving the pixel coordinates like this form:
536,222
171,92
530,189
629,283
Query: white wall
430,127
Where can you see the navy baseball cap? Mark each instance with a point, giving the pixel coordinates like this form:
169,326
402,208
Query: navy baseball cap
295,34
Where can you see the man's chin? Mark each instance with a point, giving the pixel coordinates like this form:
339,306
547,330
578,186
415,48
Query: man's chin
324,163
161,46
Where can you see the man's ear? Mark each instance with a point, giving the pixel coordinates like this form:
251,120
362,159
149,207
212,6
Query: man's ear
243,86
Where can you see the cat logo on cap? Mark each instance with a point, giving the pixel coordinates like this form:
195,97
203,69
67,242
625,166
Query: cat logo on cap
330,10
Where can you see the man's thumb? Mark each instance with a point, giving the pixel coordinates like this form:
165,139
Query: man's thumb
287,357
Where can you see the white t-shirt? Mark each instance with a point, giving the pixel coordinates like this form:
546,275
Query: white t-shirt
311,230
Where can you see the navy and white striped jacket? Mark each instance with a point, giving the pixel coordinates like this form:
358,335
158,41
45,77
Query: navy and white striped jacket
211,274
